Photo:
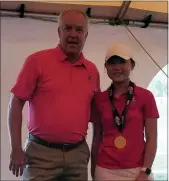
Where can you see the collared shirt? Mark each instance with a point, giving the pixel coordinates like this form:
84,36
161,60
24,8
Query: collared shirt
141,107
59,94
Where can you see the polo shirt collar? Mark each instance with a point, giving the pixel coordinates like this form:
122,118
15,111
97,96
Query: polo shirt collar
124,94
62,57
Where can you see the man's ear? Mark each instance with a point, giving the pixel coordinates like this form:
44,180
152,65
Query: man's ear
86,35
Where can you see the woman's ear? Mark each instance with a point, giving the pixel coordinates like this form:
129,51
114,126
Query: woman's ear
132,67
133,63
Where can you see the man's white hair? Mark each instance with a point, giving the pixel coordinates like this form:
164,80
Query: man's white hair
75,10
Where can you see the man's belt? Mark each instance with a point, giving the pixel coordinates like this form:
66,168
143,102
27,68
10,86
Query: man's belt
63,146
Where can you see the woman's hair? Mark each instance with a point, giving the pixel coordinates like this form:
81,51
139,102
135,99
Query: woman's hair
133,63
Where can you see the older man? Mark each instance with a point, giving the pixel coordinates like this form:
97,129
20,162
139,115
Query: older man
59,85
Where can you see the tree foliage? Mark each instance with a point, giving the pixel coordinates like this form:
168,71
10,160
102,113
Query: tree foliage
158,85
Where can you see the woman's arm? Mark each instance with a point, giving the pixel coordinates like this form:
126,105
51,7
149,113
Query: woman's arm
150,114
151,147
151,141
95,119
97,136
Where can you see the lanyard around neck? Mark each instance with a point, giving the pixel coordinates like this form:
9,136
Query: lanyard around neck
119,119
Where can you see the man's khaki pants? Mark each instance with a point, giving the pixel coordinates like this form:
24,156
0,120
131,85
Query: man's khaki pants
49,164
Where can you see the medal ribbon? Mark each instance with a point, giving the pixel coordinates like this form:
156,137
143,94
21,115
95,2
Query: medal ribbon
119,119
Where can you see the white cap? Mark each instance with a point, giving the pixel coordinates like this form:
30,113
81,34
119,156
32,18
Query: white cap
120,50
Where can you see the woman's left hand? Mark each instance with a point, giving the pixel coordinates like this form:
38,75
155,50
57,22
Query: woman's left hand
142,176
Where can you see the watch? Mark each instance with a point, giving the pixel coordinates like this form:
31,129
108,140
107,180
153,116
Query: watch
146,170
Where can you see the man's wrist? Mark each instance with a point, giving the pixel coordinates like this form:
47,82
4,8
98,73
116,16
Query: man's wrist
16,147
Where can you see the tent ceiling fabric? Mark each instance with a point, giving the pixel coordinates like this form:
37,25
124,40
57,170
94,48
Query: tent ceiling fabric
136,11
154,6
88,3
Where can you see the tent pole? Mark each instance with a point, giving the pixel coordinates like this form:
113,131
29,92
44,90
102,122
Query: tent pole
123,10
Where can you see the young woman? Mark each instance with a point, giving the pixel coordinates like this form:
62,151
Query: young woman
120,149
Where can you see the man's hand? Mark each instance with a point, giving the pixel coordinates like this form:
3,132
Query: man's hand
142,177
17,162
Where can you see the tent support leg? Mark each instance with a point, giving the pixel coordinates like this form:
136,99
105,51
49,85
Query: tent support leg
123,10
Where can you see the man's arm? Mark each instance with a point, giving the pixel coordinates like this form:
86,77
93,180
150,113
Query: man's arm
17,156
22,91
15,121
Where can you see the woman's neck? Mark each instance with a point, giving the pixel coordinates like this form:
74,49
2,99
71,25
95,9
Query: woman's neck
121,87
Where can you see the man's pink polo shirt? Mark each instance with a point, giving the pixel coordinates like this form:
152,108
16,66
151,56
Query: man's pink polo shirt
142,106
59,94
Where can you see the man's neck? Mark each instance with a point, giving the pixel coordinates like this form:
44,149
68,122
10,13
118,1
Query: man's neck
121,87
73,58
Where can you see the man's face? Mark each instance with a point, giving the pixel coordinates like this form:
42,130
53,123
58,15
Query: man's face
73,32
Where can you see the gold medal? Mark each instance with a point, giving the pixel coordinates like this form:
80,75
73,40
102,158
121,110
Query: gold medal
120,142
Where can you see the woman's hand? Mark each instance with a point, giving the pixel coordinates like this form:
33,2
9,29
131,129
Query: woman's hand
142,176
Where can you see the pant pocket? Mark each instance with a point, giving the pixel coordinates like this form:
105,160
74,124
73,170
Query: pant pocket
27,145
84,152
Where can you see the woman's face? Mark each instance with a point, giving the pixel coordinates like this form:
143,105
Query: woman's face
118,70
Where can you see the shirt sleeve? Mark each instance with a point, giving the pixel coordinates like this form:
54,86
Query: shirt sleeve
98,83
95,115
150,108
26,80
